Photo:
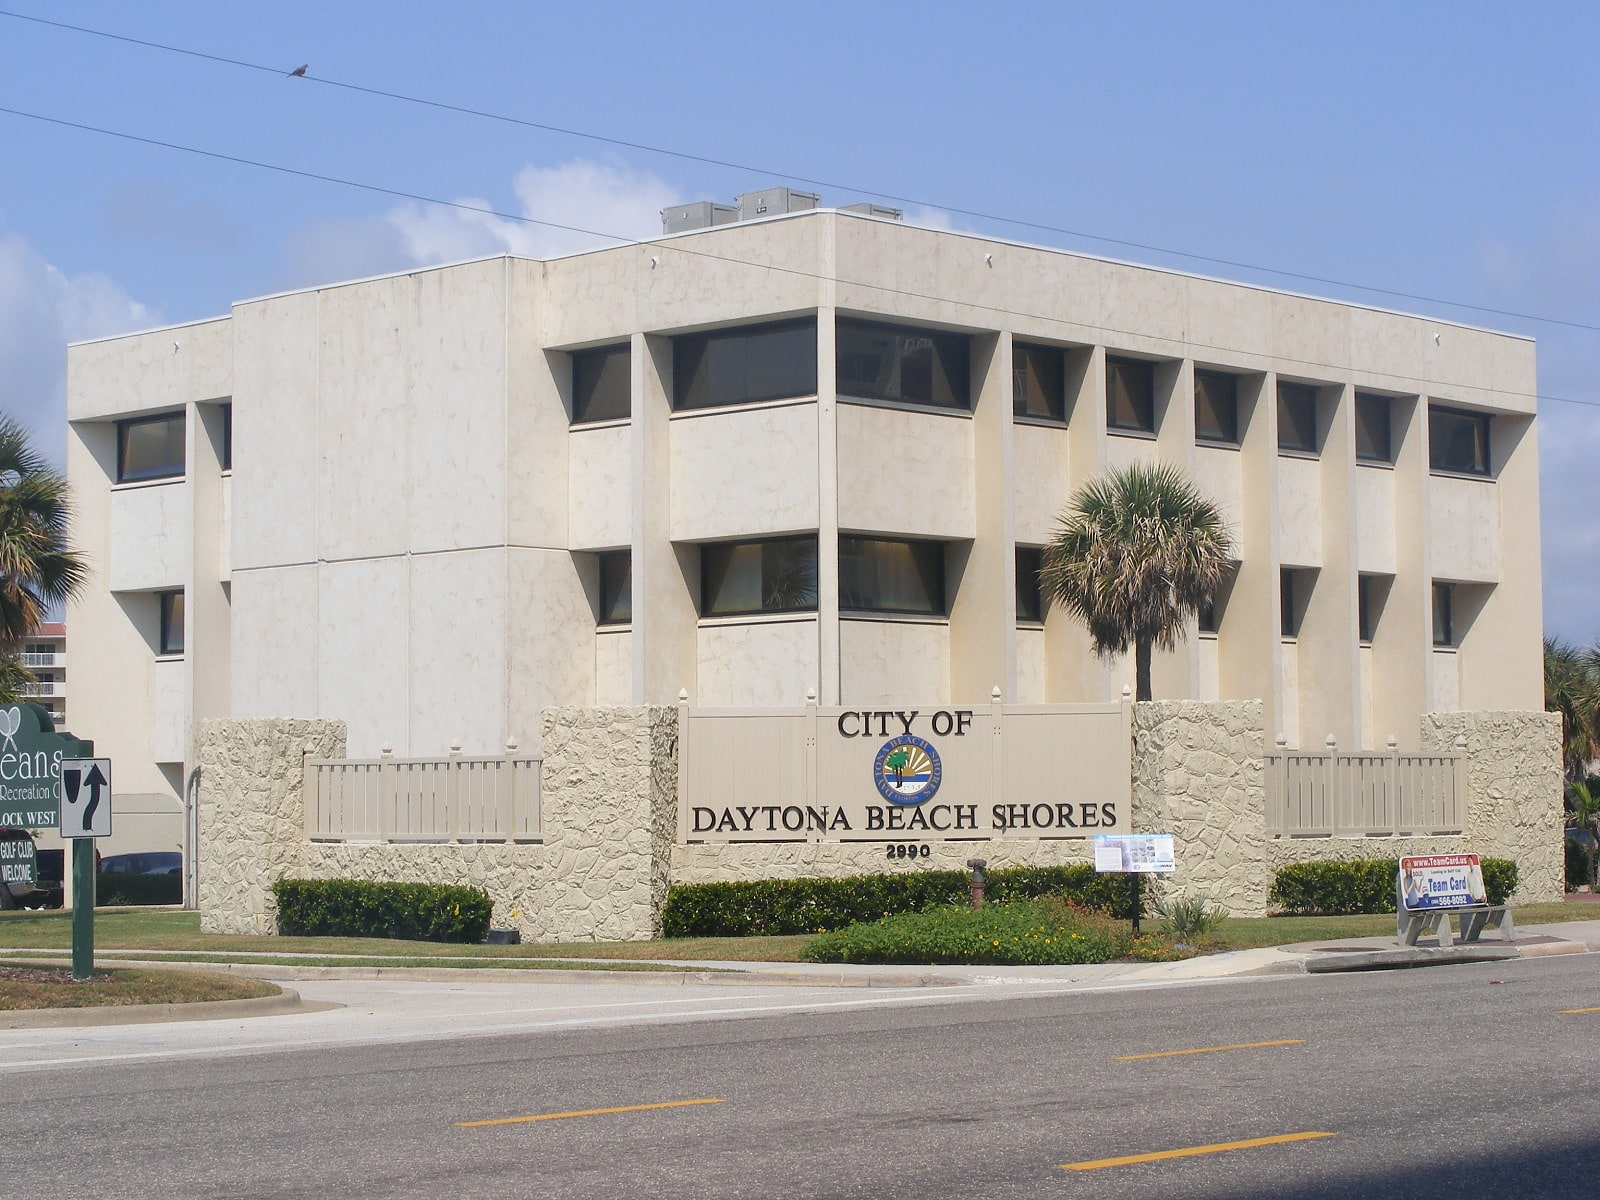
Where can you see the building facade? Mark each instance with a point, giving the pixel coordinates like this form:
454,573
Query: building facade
44,653
813,453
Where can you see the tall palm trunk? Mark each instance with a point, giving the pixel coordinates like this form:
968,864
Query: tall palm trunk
1141,670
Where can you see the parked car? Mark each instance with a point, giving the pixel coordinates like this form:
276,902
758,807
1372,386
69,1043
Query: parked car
141,877
146,862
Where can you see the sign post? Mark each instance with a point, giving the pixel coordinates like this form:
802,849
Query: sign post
85,815
1135,854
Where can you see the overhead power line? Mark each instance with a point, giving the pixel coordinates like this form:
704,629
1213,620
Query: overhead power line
975,214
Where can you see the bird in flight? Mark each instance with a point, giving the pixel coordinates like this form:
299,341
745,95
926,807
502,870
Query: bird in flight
298,72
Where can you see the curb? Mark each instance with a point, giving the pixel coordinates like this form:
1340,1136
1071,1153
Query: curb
286,1001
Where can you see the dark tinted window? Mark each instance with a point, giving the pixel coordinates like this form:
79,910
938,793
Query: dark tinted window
171,622
1458,441
775,575
1294,591
1444,633
1030,596
227,437
914,366
1130,395
616,587
601,384
1373,429
1216,407
742,366
1038,382
1297,417
1371,592
889,575
150,448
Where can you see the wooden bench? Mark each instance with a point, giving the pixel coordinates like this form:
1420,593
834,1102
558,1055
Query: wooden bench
1475,918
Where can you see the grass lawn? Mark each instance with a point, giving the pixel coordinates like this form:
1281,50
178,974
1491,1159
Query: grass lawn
178,934
28,986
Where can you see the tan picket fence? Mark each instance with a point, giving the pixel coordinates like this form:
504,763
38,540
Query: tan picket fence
453,799
1314,793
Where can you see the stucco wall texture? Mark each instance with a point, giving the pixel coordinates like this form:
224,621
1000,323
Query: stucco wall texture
609,793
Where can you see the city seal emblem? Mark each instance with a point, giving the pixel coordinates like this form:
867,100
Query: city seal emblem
907,770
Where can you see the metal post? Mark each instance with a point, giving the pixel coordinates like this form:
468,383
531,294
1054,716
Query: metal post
1138,902
82,907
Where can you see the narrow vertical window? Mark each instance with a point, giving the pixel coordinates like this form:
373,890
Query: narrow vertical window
1030,595
1038,382
1297,418
1458,440
616,587
1294,593
1130,395
171,622
1444,631
1374,434
1216,408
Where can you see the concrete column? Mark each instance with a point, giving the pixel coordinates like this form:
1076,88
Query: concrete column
1402,650
1075,674
1249,648
1329,650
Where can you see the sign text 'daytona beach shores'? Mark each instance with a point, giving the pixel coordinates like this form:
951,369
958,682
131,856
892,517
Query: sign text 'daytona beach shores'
924,774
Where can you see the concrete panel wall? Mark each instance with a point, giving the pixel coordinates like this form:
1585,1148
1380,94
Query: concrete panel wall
600,479
892,662
1464,528
735,474
150,543
905,472
757,664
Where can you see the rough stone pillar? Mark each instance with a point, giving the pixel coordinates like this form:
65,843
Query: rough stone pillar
610,794
1198,774
1514,791
252,814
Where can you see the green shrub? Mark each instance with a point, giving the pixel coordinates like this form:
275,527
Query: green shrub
1023,932
1190,919
423,912
1577,864
115,888
765,907
1363,885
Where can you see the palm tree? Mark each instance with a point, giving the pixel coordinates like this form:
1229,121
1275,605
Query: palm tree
1138,551
37,568
1572,688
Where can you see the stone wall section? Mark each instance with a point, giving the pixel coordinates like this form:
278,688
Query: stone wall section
1514,790
252,814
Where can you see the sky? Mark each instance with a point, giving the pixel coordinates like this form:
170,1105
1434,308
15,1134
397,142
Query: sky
1438,158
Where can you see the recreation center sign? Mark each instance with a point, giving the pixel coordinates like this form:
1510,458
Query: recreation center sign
30,766
904,774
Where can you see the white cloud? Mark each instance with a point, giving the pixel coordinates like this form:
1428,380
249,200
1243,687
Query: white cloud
41,310
577,206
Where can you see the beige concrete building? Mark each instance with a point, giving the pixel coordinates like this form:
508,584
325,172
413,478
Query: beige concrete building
812,452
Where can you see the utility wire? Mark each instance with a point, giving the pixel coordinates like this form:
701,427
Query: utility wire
975,214
676,246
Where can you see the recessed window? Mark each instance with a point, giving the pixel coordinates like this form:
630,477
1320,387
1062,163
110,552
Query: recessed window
602,384
891,576
150,448
616,587
1216,407
1458,440
171,622
1294,594
1371,593
745,365
1374,430
1444,630
1209,615
1038,382
1031,603
1297,418
768,576
227,437
911,366
1130,395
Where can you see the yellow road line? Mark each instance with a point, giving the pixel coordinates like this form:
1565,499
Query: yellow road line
588,1112
1569,1011
1215,1148
1209,1050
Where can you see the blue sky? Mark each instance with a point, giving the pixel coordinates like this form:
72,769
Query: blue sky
1449,151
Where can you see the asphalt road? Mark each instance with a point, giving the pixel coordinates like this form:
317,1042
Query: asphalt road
1454,1081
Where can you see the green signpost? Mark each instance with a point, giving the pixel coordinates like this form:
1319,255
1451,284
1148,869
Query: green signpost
31,753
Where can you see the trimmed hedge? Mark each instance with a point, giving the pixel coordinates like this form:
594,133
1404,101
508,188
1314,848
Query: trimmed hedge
421,912
765,907
1363,885
1024,933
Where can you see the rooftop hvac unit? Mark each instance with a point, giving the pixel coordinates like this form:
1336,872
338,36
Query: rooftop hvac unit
702,214
771,201
875,210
